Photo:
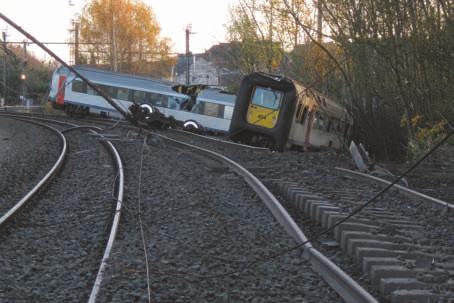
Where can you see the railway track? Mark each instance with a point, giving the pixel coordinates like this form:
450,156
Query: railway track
244,226
402,244
399,260
27,152
183,200
52,249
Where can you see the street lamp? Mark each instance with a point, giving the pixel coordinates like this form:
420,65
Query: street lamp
23,77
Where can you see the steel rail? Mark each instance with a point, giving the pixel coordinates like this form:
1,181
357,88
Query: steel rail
120,180
343,284
115,223
221,141
448,206
45,180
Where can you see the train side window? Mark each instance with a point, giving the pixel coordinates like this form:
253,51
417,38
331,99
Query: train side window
220,110
109,90
174,102
158,100
328,128
122,93
298,110
319,122
139,96
79,86
228,112
211,109
91,91
347,126
304,115
198,108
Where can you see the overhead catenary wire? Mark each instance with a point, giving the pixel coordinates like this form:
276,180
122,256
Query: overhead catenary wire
139,215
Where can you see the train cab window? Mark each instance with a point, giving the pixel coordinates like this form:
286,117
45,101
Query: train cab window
79,86
267,97
123,93
228,112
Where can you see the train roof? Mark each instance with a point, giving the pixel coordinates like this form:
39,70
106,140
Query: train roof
125,80
216,95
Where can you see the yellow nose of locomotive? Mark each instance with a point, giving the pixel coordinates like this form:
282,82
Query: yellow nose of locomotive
264,107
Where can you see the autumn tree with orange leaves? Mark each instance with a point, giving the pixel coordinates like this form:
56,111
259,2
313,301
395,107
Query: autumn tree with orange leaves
124,35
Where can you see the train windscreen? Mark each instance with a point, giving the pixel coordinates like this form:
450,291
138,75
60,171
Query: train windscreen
267,97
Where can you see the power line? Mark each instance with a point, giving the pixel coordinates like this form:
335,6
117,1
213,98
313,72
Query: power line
63,43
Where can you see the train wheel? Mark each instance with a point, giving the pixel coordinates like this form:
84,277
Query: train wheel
191,126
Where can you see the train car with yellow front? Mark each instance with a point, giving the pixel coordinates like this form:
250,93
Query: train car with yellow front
277,112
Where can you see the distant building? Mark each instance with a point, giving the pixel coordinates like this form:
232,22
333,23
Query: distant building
210,68
202,71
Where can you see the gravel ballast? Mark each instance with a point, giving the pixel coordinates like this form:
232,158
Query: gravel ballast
52,250
314,172
27,152
202,226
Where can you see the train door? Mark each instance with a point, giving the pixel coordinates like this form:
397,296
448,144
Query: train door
264,107
60,98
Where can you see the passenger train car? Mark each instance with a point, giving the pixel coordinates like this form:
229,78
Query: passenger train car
209,110
279,113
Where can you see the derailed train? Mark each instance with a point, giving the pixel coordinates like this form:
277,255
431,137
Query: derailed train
279,113
269,110
192,107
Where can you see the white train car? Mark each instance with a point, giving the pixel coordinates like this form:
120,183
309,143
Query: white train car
211,110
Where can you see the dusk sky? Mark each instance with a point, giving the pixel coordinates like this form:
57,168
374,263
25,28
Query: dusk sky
50,20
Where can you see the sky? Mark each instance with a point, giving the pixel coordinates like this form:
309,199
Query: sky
50,20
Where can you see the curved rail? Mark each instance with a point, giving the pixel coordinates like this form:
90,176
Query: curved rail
115,223
437,202
343,284
221,141
52,172
120,179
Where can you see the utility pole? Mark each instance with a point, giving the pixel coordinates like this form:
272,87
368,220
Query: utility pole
76,43
4,68
319,21
188,54
23,76
112,40
270,54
